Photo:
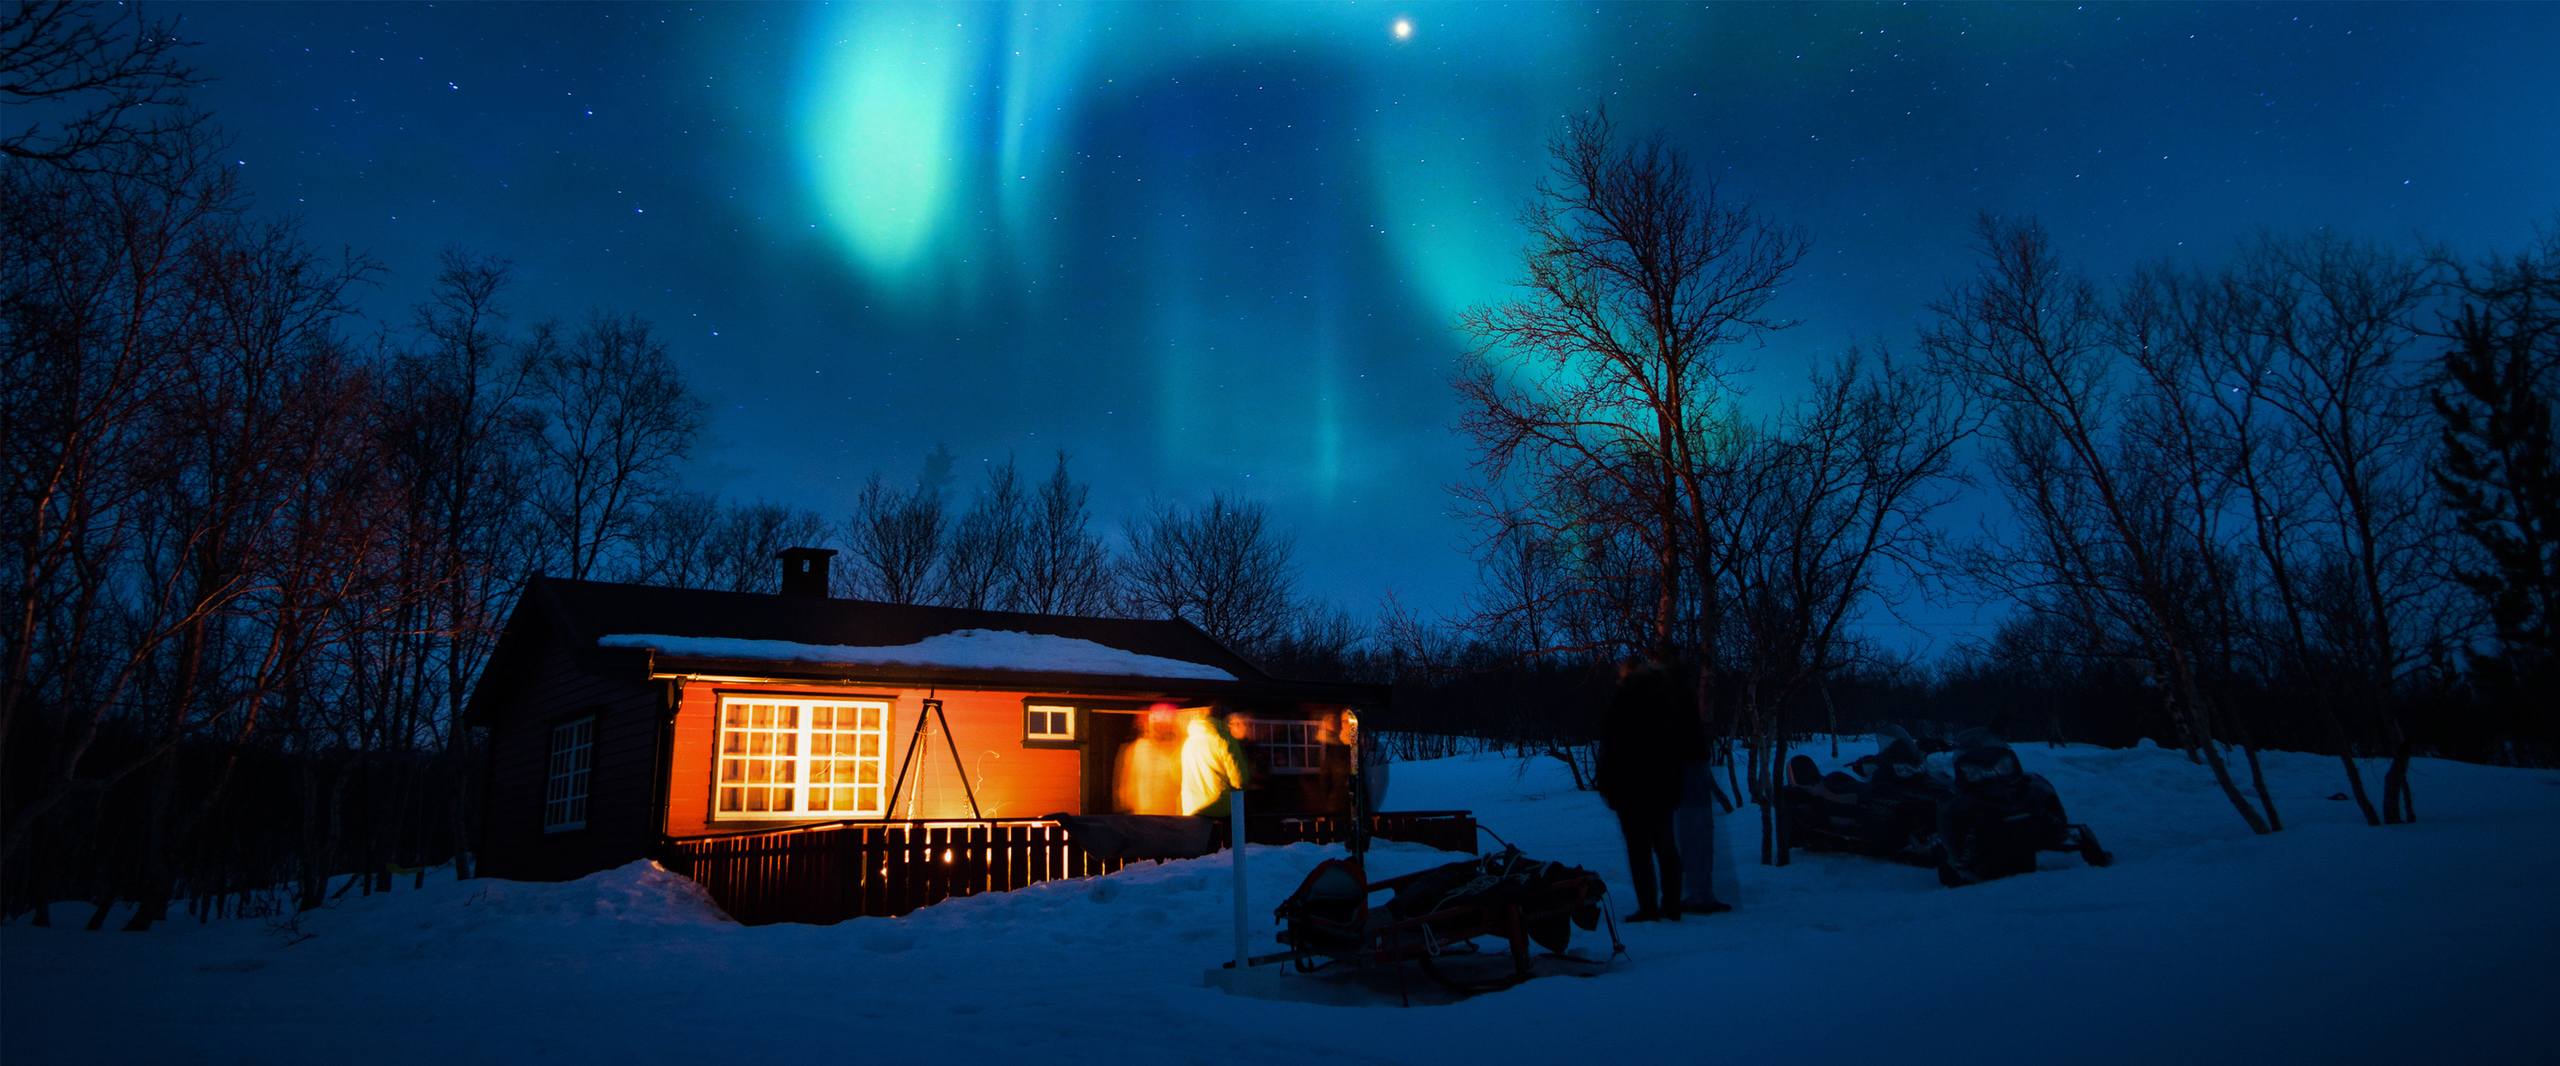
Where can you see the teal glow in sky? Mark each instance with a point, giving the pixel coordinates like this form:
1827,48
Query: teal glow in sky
1220,246
916,119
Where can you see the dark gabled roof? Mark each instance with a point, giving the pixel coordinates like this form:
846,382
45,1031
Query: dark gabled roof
591,609
573,614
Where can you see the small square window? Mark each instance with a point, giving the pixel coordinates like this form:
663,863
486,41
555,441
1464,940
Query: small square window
1052,723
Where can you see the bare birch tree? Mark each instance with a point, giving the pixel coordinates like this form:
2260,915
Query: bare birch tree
987,543
1219,565
91,93
97,269
2033,343
618,419
1607,379
897,542
692,540
1062,568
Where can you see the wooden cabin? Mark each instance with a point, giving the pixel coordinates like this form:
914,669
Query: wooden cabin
813,758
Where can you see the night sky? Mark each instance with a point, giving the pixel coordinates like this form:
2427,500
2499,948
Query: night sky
1220,247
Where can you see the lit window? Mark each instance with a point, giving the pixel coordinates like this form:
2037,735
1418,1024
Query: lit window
564,793
1048,721
1288,747
801,758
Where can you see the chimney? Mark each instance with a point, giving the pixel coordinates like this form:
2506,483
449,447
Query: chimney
804,571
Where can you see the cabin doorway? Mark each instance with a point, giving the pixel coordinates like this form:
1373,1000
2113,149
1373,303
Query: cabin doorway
1106,734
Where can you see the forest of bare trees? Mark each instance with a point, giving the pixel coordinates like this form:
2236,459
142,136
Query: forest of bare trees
2301,496
257,559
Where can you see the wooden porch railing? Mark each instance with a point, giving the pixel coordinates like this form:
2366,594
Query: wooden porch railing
830,873
1445,830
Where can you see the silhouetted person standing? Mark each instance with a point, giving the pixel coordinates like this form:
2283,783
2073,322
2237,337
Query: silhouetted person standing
1645,738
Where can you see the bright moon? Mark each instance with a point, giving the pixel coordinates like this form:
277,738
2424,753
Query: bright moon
1404,29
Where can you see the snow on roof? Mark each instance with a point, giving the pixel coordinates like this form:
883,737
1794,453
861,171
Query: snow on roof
960,649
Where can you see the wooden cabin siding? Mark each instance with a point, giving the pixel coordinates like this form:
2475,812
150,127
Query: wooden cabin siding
621,796
1012,781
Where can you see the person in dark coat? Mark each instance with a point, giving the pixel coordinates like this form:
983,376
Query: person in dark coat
1646,736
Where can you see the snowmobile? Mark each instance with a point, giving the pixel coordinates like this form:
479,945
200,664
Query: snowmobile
1985,818
1886,807
1999,816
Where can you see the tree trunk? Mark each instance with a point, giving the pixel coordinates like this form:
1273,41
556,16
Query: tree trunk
1732,779
157,881
457,804
2397,806
1831,719
2258,777
311,881
1777,816
1768,831
2231,790
2199,729
2257,774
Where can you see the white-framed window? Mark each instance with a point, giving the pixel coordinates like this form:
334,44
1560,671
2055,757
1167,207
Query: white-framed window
564,790
1053,722
797,757
1288,746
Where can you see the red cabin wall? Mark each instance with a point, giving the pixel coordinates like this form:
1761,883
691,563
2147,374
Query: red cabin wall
1012,781
625,819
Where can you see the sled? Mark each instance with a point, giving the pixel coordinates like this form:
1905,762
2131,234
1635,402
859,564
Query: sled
1434,916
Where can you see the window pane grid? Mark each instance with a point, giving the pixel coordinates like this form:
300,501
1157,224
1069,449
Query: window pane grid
564,794
783,758
1290,747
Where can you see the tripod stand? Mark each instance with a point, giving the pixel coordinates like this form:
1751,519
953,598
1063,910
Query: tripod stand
931,707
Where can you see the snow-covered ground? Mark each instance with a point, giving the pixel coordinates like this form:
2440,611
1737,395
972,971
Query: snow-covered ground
2328,943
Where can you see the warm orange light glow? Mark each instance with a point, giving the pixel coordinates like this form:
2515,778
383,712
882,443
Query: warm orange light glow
1148,776
1180,763
1209,765
1183,760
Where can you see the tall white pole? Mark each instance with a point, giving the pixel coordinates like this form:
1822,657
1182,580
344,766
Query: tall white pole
1235,854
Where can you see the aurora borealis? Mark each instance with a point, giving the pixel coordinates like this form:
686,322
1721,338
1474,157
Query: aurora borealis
1220,246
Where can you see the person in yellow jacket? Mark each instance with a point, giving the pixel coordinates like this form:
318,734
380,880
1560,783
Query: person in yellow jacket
1212,762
